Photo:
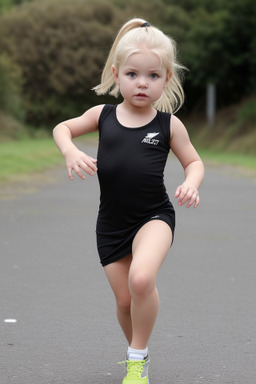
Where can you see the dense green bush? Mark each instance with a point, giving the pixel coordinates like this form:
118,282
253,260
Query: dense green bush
220,48
10,87
59,47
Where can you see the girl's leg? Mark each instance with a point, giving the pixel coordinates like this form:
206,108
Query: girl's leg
117,274
150,247
133,281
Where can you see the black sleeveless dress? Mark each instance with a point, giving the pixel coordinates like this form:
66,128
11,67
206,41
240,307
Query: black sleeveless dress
131,164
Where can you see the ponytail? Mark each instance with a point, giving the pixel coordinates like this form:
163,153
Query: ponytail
108,84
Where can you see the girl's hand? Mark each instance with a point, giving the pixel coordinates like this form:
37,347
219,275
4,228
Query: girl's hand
78,161
187,193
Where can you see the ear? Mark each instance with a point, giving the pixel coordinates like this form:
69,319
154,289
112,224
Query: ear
115,74
168,78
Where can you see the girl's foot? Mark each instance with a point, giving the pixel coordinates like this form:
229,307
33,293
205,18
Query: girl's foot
137,372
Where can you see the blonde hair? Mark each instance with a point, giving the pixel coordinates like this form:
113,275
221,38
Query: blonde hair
133,35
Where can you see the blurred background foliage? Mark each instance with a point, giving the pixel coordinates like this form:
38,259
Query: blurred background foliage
52,53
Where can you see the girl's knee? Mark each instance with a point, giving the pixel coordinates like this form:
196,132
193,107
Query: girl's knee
141,284
123,303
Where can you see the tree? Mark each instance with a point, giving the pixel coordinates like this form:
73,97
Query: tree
220,49
5,5
61,48
10,87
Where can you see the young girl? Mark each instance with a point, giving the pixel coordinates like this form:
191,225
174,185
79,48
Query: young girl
136,219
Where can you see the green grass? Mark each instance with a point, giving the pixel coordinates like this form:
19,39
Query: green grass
27,156
228,158
24,157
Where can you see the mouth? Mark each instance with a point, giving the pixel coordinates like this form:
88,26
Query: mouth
141,95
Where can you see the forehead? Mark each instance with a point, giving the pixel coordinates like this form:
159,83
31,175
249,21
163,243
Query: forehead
147,60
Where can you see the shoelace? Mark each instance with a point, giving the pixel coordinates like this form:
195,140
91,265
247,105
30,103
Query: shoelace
134,367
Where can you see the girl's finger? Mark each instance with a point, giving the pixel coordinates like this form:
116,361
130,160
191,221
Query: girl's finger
88,168
92,164
70,175
177,192
197,201
77,170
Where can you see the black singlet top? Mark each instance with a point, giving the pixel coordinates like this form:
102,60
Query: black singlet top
131,164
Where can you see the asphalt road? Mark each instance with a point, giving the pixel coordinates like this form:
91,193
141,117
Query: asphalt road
52,284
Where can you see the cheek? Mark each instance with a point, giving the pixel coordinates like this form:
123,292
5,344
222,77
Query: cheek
125,85
124,88
158,91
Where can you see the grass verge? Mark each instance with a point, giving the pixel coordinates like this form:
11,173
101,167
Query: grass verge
30,156
27,156
228,158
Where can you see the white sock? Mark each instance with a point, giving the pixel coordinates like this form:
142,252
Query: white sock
137,354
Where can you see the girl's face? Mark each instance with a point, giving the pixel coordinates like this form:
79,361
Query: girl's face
141,78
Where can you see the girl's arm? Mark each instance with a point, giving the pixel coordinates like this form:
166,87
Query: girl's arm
187,193
63,134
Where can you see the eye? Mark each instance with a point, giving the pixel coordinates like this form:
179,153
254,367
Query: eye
131,74
154,76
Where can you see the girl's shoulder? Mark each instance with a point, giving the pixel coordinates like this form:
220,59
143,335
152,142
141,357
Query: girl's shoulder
95,111
176,126
98,109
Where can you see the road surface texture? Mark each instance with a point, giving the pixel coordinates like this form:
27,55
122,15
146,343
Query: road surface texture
57,312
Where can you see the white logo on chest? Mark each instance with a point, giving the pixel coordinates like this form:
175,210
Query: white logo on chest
149,138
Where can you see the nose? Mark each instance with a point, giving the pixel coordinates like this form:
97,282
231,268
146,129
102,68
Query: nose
142,83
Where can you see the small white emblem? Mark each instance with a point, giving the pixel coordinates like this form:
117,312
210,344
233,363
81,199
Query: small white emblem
149,138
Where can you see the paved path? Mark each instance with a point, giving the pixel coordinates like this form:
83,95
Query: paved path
51,282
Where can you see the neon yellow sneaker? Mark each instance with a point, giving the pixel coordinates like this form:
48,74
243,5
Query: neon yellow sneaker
137,372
